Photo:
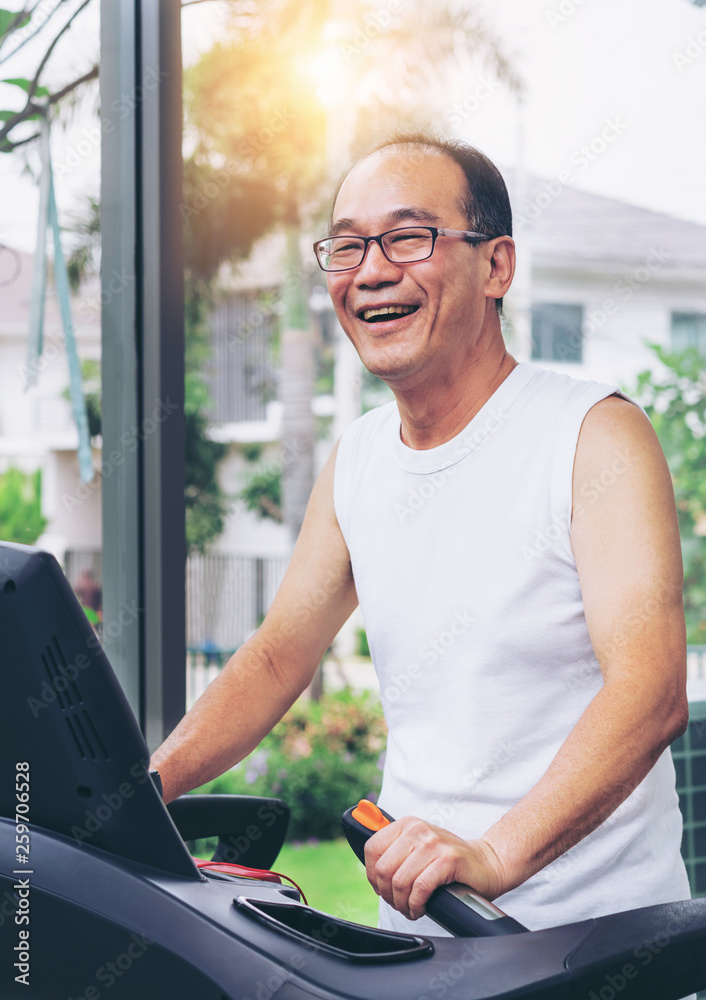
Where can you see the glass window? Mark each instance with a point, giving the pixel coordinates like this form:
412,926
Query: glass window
556,332
689,330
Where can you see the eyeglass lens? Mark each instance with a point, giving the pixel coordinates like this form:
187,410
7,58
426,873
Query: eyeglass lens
400,245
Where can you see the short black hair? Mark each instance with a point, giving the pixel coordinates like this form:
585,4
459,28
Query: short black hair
485,202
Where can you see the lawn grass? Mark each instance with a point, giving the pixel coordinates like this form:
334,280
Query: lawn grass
329,874
331,878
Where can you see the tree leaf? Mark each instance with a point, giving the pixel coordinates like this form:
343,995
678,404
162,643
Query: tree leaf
20,81
5,116
6,19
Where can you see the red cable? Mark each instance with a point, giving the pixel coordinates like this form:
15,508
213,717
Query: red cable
243,871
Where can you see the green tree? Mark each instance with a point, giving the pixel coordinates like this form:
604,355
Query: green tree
675,401
206,504
20,506
17,28
260,118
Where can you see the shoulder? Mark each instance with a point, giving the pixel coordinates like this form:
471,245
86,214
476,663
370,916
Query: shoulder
614,423
619,462
562,395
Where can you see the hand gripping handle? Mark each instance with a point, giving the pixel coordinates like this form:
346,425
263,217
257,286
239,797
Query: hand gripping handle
455,907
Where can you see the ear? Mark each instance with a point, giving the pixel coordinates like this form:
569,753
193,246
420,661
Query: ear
501,253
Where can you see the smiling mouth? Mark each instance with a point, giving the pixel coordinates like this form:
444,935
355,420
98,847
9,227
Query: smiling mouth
386,313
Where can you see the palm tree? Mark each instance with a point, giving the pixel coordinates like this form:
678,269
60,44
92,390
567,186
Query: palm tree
297,89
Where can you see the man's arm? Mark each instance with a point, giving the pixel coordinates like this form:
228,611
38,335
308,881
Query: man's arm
269,671
625,540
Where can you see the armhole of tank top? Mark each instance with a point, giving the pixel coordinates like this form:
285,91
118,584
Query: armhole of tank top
563,473
341,478
354,438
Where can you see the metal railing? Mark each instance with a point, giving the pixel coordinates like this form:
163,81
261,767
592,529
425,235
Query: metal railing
696,663
227,596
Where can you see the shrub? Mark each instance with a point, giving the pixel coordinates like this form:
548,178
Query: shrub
363,649
320,759
21,517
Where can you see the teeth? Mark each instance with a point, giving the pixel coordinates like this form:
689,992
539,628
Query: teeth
388,311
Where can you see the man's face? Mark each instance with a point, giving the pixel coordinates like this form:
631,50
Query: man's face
443,295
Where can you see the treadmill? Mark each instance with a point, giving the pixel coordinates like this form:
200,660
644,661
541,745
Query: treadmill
99,896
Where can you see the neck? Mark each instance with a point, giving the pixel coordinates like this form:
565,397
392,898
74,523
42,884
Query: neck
434,413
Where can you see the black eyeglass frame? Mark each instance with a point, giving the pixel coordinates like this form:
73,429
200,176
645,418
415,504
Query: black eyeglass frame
461,234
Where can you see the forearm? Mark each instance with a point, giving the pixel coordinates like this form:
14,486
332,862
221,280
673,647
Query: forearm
249,696
608,753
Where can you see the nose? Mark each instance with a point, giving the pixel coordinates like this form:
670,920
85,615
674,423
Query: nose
376,269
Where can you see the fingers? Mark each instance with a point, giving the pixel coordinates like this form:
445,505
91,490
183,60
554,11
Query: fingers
406,861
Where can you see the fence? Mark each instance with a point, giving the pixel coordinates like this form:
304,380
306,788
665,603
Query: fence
227,596
696,663
689,754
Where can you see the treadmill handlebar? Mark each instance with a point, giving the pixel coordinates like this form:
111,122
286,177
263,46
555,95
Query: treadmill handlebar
455,907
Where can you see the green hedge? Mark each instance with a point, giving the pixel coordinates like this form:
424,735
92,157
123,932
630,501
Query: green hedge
320,759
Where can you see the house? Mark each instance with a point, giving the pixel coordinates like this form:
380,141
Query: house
37,430
597,279
607,278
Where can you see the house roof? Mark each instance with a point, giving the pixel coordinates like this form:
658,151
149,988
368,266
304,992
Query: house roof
567,223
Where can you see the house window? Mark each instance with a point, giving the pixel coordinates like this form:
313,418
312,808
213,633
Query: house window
689,330
557,332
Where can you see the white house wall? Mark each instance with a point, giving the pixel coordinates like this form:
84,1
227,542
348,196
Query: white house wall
619,320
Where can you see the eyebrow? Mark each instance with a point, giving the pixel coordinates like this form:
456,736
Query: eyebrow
408,213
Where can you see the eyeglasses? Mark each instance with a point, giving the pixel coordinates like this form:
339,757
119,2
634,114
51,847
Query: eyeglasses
401,246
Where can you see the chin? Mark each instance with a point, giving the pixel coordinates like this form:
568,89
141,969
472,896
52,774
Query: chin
389,370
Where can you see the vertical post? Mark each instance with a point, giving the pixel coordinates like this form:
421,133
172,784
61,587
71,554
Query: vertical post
119,350
143,357
162,267
521,292
260,608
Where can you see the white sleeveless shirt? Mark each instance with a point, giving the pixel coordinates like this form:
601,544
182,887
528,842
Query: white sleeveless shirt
473,612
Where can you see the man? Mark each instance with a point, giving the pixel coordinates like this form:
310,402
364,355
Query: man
511,537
